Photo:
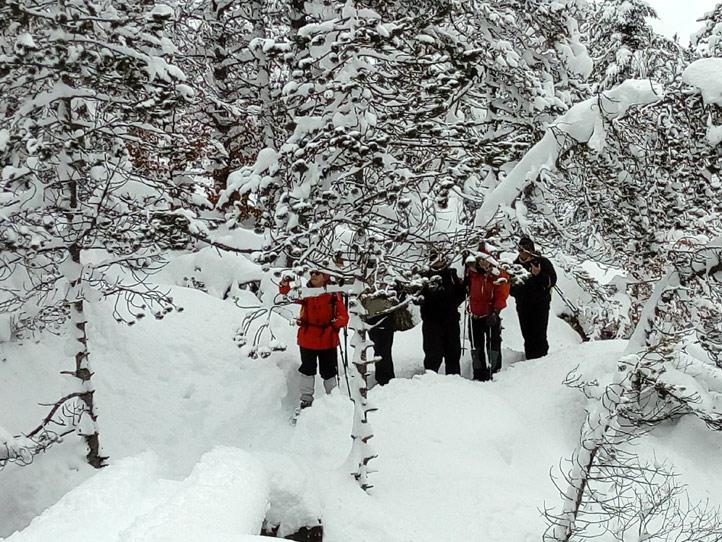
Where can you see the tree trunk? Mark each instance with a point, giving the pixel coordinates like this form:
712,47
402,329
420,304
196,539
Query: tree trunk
263,78
68,174
88,420
362,452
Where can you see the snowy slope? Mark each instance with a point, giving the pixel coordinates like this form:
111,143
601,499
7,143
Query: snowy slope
188,422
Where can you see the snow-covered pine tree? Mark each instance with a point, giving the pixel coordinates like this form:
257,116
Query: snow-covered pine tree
624,46
83,83
660,377
627,203
707,41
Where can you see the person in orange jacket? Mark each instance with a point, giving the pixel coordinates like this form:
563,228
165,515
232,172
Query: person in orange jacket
488,289
320,319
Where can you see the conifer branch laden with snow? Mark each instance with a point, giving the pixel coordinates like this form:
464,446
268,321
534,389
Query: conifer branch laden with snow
370,90
594,200
624,46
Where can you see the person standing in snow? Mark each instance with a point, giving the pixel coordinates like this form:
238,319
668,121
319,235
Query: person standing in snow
320,319
440,316
533,298
488,289
381,334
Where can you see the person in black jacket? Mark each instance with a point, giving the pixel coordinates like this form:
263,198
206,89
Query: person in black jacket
440,317
533,298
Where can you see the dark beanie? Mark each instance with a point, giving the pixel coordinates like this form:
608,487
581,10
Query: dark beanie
526,243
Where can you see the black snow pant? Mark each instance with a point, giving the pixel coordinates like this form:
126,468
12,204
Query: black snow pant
442,342
485,339
327,362
533,320
382,335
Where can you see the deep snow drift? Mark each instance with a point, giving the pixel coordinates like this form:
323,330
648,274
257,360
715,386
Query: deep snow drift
200,442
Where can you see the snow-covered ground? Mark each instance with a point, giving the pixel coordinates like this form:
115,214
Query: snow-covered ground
200,443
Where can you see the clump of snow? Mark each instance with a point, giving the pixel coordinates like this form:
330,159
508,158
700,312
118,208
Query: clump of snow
252,178
157,66
714,134
706,75
211,270
576,58
267,160
225,496
294,498
162,10
186,91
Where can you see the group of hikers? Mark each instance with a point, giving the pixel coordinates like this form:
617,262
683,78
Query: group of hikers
484,285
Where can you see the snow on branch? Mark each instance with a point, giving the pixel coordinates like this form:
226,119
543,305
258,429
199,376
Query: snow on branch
606,488
62,419
583,123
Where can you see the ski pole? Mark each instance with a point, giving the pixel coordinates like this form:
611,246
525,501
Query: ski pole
344,353
344,359
487,341
463,331
574,309
472,348
471,333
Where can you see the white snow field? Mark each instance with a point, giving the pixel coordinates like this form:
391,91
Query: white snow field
201,449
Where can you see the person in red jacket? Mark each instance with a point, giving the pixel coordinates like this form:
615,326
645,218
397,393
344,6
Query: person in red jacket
320,319
488,290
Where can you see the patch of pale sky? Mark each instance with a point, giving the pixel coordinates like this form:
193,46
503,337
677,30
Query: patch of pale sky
680,16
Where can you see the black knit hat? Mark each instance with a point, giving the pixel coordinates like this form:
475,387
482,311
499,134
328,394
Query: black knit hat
526,243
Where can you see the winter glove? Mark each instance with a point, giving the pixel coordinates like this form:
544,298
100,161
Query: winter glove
435,282
493,320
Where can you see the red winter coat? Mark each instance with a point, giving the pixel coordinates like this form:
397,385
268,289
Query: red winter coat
320,319
487,293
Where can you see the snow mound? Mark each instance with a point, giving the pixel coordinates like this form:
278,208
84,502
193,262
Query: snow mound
458,460
225,495
224,499
294,498
210,270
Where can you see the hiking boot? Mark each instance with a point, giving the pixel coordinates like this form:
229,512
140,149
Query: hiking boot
306,388
329,384
495,361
